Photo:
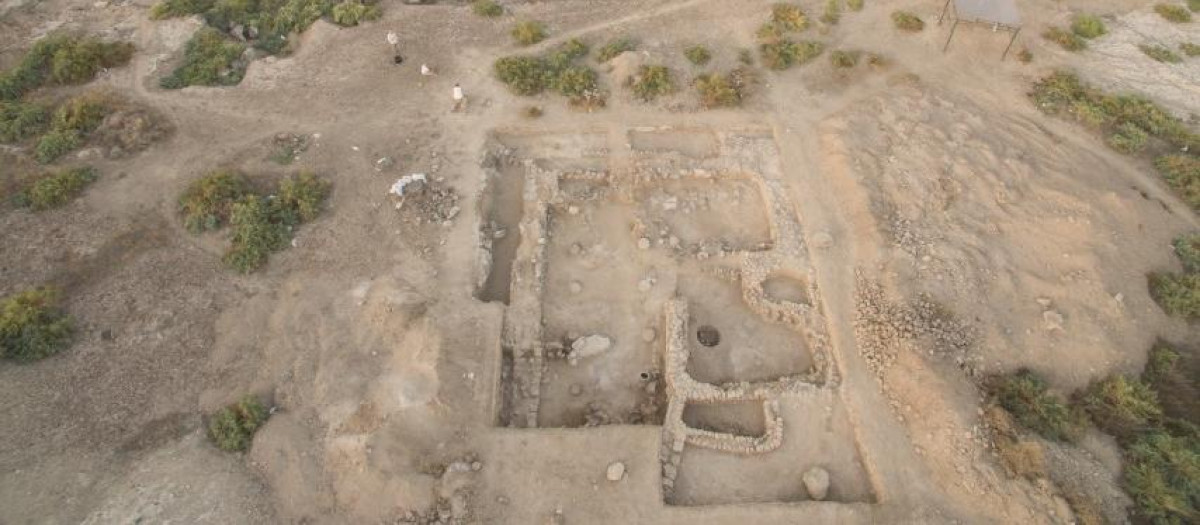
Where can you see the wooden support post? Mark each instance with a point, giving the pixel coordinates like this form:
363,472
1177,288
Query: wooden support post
952,28
1010,44
944,8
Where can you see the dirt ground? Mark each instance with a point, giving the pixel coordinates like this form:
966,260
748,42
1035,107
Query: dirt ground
418,359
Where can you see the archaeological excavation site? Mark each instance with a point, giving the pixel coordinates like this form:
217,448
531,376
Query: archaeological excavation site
599,262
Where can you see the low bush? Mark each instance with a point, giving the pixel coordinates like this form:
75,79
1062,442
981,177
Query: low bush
697,55
1193,5
83,113
1173,13
833,12
1182,173
1068,40
906,21
209,59
1187,248
232,428
1025,56
746,57
62,59
529,32
785,53
1120,406
1088,26
1175,377
488,8
1128,138
56,189
844,59
207,202
788,17
22,120
257,233
1063,93
530,75
1190,49
610,50
718,90
855,5
1162,476
175,8
650,82
1018,455
32,326
1024,395
1177,294
1160,53
55,144
350,13
300,198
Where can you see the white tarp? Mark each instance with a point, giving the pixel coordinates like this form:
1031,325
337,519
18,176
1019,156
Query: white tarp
988,11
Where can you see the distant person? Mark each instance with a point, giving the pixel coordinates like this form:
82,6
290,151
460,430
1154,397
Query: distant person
460,100
394,40
425,71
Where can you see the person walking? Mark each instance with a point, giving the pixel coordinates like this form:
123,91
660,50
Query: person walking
394,40
460,100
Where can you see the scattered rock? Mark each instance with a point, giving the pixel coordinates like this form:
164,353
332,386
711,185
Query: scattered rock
384,163
576,287
575,389
643,243
1044,301
822,240
649,335
616,471
1052,320
588,346
816,482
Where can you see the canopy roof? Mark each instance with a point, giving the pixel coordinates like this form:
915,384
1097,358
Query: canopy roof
990,11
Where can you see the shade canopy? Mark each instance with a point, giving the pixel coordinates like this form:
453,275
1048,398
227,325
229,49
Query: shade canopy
1002,12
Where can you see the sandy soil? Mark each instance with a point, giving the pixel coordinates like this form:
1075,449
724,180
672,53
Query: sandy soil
379,337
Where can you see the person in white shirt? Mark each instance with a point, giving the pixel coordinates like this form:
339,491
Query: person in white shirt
460,100
394,40
425,71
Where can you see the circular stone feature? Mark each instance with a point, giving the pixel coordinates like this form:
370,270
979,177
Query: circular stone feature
708,336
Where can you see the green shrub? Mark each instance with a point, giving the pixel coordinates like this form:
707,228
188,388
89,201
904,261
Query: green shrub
855,5
833,12
487,8
207,202
844,59
1088,26
1193,5
56,189
32,326
722,90
1176,379
62,59
300,198
698,55
1187,248
258,231
1068,40
746,57
1025,56
614,48
1128,138
523,75
350,13
575,82
232,428
529,32
55,144
175,8
652,82
1160,53
906,21
1024,395
1173,13
1177,294
21,120
1182,173
83,113
1190,49
209,59
785,53
566,53
1120,406
1162,475
788,17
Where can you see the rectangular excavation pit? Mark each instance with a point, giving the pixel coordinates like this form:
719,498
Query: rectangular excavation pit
501,208
600,283
817,434
705,215
542,145
732,343
693,143
744,418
